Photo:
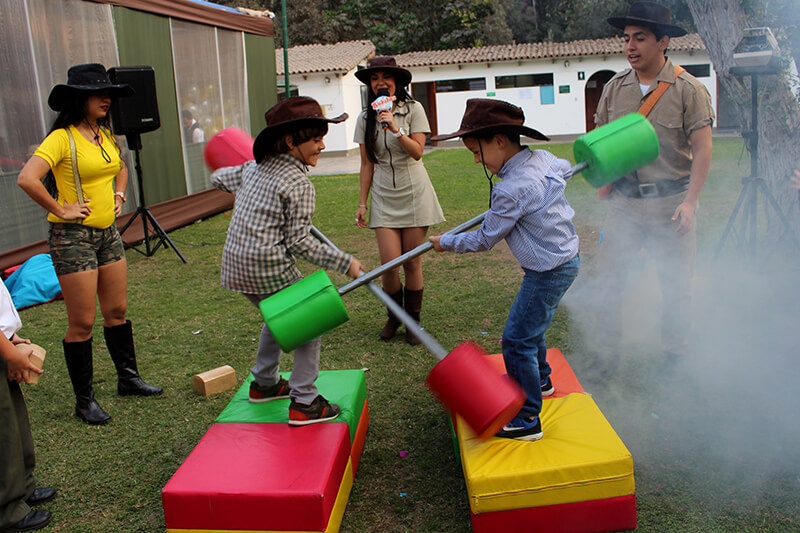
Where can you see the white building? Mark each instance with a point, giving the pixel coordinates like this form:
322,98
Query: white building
558,85
325,72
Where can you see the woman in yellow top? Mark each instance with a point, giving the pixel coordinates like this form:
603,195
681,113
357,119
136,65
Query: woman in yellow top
403,202
86,248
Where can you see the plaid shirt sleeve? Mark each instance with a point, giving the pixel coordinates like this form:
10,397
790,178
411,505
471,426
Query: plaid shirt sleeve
229,179
299,241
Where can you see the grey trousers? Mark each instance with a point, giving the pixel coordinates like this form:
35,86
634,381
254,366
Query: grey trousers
306,363
17,458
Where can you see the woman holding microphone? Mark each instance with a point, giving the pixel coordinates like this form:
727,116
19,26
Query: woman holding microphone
402,201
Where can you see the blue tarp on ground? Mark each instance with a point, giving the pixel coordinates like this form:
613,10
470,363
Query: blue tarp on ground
34,282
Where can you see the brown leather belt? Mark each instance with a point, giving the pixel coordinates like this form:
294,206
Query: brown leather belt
654,189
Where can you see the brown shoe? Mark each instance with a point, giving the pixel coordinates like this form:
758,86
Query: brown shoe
392,323
413,305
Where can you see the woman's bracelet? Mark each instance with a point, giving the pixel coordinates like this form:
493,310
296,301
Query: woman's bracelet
362,205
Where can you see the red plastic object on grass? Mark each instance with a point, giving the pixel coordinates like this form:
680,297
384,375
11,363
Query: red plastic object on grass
228,148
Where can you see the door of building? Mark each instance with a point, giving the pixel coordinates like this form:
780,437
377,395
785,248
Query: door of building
594,88
425,94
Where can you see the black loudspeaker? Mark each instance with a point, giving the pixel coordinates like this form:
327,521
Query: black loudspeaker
137,113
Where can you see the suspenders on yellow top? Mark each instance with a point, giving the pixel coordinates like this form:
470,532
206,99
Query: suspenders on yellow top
73,154
74,157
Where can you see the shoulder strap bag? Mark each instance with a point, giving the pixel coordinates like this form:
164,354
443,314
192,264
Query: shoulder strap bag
648,104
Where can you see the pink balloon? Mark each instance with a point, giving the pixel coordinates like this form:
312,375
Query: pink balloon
228,148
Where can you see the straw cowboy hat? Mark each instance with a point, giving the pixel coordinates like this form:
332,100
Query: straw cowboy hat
287,115
486,115
401,76
90,77
650,15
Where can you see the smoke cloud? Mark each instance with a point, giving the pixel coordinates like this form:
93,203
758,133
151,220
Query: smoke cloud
725,418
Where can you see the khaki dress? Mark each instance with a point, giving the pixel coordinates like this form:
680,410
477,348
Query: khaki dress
402,194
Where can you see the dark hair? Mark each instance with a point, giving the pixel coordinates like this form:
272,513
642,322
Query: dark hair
488,135
278,144
658,31
369,131
73,112
186,114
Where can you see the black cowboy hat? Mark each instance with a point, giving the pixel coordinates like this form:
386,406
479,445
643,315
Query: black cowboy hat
486,115
649,15
287,115
89,77
402,76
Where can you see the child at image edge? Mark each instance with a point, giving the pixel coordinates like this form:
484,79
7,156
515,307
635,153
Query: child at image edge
270,227
528,209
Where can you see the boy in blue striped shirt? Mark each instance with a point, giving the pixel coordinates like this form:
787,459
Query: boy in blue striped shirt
529,210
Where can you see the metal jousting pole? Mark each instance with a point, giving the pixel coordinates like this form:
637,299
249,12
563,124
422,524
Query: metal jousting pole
411,254
430,343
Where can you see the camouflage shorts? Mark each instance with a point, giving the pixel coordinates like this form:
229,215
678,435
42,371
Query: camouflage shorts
75,248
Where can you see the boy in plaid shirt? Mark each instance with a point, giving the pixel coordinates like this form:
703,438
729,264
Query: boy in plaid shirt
270,228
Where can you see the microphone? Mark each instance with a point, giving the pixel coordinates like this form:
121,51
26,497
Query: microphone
383,102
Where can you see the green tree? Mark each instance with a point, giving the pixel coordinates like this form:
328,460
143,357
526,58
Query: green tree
416,24
307,20
570,20
494,28
393,28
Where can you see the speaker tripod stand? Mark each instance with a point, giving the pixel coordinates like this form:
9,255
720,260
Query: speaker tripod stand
753,185
155,232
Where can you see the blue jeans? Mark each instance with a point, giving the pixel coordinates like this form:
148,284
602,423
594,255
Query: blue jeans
524,346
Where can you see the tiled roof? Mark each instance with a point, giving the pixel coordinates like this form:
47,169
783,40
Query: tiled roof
544,50
339,57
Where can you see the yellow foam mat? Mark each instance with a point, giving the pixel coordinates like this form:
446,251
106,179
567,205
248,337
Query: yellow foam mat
580,458
334,522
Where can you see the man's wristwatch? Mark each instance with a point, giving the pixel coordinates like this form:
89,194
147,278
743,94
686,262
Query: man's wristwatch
121,195
398,134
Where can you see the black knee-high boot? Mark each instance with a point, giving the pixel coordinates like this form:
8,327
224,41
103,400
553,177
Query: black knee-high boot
119,340
390,328
81,372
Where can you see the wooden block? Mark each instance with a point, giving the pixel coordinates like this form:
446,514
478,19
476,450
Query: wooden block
214,381
36,358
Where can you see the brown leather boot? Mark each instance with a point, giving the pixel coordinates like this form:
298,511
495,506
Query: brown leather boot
390,328
413,306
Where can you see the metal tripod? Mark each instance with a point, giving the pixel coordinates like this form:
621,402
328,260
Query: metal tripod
155,231
746,236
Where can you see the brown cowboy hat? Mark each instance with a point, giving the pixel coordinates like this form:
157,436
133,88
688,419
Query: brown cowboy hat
288,115
90,77
486,115
402,76
649,15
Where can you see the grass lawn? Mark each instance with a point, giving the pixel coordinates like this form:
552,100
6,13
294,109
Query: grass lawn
689,475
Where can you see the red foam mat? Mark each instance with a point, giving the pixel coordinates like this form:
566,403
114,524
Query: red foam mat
245,476
564,379
594,516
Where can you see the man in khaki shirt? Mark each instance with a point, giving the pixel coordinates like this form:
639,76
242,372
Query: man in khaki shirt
654,208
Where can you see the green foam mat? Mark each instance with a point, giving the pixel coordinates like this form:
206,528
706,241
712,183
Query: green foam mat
346,388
